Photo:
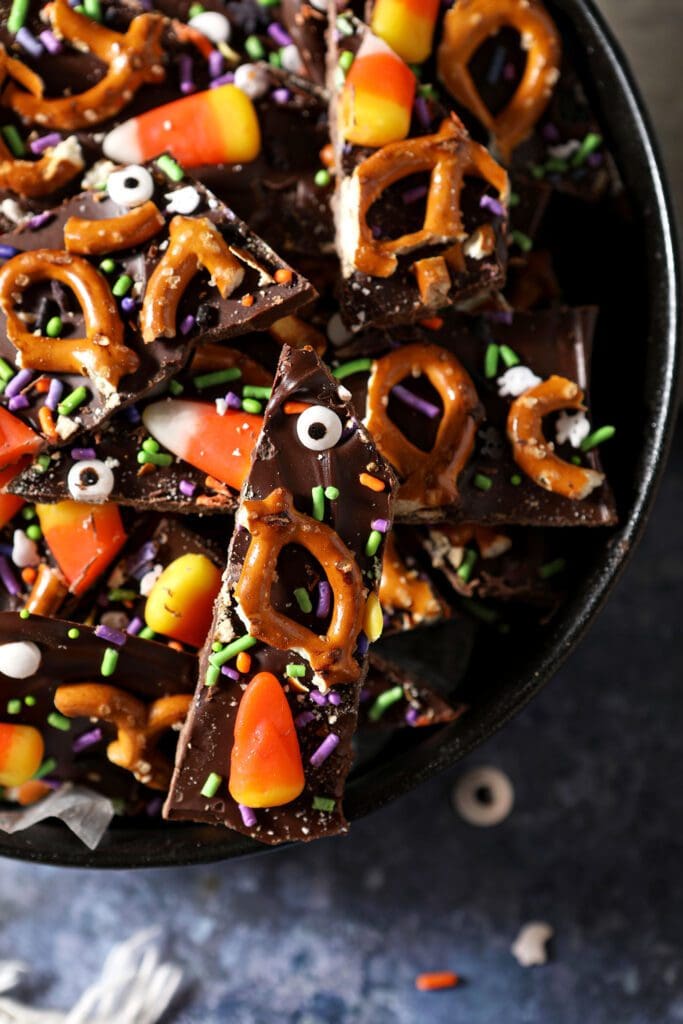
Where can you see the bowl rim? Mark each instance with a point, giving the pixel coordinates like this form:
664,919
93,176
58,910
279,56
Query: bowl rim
125,846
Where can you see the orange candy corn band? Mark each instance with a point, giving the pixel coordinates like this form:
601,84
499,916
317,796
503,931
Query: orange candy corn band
83,539
21,751
377,98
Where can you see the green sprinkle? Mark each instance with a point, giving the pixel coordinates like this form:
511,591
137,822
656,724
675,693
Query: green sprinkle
274,59
146,633
212,784
295,671
318,499
48,766
268,3
373,542
42,463
353,366
194,10
428,91
482,482
107,266
24,614
322,178
254,391
491,360
73,633
467,564
30,700
591,142
122,286
34,532
150,445
331,493
210,380
344,26
17,15
231,650
384,701
576,460
212,675
324,803
515,479
170,168
522,240
13,706
72,401
14,140
538,172
254,47
53,327
155,458
93,9
110,660
251,405
514,200
480,611
175,387
597,437
58,721
552,568
79,9
216,646
345,60
556,166
120,594
303,599
509,356
28,512
6,371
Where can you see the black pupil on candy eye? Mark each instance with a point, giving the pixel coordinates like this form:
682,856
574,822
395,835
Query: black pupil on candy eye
89,477
484,795
317,431
130,182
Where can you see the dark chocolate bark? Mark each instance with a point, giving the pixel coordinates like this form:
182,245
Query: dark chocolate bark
417,704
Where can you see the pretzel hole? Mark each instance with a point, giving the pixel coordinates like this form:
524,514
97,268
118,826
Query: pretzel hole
401,208
473,213
296,567
497,68
45,299
418,427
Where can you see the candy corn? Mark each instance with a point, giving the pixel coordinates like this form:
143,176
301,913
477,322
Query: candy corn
16,439
377,98
180,604
218,126
21,751
83,539
407,26
194,431
9,503
265,764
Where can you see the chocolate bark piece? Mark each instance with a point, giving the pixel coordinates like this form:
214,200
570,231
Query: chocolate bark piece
450,264
307,25
393,698
75,749
159,325
407,593
354,509
492,490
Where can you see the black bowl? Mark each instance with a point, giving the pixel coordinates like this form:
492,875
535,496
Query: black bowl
630,268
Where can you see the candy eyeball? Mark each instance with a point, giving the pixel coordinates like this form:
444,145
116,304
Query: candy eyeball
318,428
131,186
252,80
483,796
90,480
20,659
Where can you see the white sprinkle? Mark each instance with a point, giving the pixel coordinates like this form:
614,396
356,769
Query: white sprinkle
149,579
184,200
516,381
572,427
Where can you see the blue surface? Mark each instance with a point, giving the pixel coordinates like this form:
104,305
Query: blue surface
335,933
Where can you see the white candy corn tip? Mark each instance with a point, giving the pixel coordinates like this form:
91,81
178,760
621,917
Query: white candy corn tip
20,660
122,145
175,424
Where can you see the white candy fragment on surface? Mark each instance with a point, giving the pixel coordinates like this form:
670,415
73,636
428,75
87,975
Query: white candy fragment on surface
24,550
252,79
515,381
184,200
572,427
149,579
530,947
20,659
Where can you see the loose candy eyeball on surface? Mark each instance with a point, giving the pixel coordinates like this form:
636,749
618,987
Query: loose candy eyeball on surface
20,659
483,796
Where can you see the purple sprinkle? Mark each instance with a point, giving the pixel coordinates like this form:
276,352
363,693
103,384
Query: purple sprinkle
147,5
248,816
7,252
500,316
134,626
509,72
153,808
281,95
39,219
233,401
112,636
215,64
50,41
334,698
376,231
489,203
6,549
132,414
54,394
185,65
318,698
382,525
365,695
324,750
412,716
79,454
128,304
496,66
18,402
138,563
422,111
44,142
187,488
186,324
363,644
412,195
19,382
595,160
303,719
28,42
278,34
86,739
7,577
231,673
324,599
550,132
415,402
225,79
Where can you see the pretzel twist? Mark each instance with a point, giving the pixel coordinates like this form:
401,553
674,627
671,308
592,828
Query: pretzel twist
138,726
467,25
111,234
534,454
194,242
429,479
402,590
273,523
101,355
35,178
133,59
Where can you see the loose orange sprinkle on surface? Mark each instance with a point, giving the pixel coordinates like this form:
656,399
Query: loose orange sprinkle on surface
47,423
327,155
434,980
42,385
28,574
434,323
294,408
248,299
243,662
373,482
283,276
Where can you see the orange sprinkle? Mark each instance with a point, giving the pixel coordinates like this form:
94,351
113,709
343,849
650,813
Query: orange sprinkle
436,979
373,482
243,662
42,385
283,276
174,645
145,470
32,791
47,423
29,574
191,35
434,323
327,155
248,299
294,408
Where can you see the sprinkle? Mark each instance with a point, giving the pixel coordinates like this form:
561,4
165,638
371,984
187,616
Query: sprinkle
112,636
346,60
134,626
18,383
58,721
318,500
39,219
17,15
128,305
380,524
415,402
294,408
187,488
384,701
575,460
30,700
121,594
278,34
275,60
24,614
283,276
591,142
12,136
551,569
482,482
467,565
303,599
480,611
373,483
254,47
210,380
93,9
7,252
322,178
109,662
150,445
7,577
491,360
254,391
154,459
331,493
51,44
185,74
318,698
362,645
303,719
28,512
373,542
247,815
522,240
494,205
353,366
227,79
324,599
13,706
411,716
252,406
6,371
170,168
46,768
413,195
232,400
243,643
212,675
73,633
86,739
53,327
434,980
597,437
509,357
72,401
324,803
247,300
295,671
324,750
230,673
122,285
175,387
243,662
212,784
19,402
34,532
